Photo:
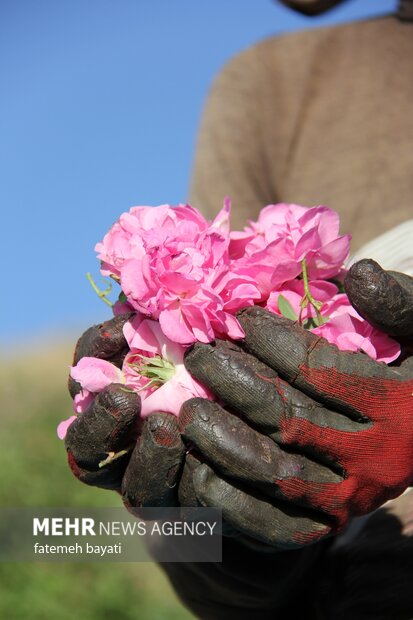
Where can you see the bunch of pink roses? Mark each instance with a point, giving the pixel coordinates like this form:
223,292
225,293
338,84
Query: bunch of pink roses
185,278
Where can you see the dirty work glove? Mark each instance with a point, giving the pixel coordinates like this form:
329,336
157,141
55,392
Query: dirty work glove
149,454
384,298
148,468
349,418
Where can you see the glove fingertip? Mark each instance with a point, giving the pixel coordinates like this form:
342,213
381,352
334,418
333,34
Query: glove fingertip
164,429
108,477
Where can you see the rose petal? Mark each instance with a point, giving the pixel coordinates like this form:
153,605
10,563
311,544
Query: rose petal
174,326
64,425
82,401
95,374
172,394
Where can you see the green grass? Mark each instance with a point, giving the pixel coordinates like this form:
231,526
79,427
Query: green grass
34,473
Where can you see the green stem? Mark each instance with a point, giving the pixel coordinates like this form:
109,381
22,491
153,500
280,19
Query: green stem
308,298
101,294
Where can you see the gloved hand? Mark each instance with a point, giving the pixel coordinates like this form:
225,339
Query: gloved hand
149,454
150,468
349,417
206,479
224,590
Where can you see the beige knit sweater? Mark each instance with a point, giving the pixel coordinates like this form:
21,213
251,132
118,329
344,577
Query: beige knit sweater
316,117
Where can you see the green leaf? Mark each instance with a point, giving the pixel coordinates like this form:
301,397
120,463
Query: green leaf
157,374
286,308
122,298
153,361
310,323
314,322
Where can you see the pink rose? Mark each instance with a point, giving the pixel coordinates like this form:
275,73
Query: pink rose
271,249
174,267
154,355
154,368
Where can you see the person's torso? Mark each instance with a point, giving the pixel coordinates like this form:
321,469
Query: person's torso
347,129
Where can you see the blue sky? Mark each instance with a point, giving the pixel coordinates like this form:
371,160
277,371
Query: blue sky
99,111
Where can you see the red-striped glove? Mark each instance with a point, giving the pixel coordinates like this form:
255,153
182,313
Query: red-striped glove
347,415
